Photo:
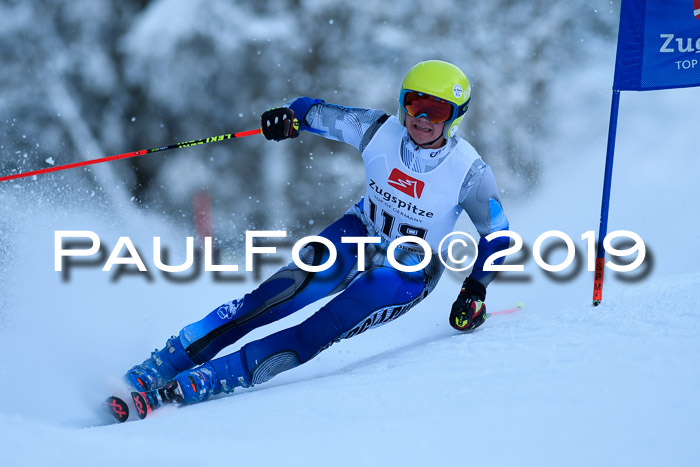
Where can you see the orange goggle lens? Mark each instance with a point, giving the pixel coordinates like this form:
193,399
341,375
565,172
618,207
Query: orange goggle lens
417,104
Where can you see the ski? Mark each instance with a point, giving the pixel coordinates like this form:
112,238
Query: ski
142,404
147,401
117,408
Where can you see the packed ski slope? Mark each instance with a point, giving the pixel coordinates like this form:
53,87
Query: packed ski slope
558,383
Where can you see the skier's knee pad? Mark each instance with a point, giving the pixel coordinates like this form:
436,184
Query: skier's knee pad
274,365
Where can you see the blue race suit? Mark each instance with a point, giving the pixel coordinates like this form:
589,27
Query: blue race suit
363,299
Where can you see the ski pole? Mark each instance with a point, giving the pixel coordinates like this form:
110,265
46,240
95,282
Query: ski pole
126,155
506,312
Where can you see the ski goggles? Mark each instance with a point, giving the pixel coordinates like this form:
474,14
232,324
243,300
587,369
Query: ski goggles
418,104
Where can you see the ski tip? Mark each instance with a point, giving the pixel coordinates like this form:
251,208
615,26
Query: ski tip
141,404
117,408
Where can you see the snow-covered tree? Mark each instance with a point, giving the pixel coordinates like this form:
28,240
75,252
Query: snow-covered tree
90,78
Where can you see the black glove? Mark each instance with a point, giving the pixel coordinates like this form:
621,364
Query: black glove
279,124
468,311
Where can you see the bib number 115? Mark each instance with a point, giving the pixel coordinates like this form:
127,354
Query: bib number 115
388,221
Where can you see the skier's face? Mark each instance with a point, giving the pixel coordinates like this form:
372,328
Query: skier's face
424,133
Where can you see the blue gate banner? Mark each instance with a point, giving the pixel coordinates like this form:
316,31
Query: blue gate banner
658,45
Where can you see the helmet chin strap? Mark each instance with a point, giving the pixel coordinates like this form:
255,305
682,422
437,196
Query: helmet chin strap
423,146
431,142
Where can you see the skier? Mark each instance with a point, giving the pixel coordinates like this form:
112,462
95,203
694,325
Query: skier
420,177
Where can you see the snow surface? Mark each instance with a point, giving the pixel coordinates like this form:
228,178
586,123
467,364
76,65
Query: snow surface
558,383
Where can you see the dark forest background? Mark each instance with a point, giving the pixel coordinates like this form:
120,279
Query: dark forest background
90,78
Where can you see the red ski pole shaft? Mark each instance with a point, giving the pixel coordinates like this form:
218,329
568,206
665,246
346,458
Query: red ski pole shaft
127,155
508,311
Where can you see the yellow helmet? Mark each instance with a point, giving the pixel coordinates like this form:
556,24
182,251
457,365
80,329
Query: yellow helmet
440,80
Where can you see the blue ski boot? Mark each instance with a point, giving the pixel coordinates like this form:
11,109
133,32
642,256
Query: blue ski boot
189,387
196,385
214,377
161,367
